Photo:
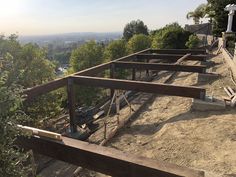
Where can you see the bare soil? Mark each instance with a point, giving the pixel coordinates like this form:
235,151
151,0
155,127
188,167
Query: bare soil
169,130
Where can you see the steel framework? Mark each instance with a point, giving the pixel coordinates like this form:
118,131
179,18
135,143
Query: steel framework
116,163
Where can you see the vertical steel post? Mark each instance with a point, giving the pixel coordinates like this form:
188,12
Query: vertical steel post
71,103
134,70
112,76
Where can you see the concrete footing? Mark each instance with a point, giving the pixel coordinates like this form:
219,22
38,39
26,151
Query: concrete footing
207,77
209,104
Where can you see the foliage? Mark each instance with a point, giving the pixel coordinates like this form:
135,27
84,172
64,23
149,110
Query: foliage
220,17
134,27
11,159
116,49
62,57
30,67
193,42
87,55
172,36
197,14
139,42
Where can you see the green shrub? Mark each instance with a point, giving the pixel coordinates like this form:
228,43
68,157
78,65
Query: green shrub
172,36
193,42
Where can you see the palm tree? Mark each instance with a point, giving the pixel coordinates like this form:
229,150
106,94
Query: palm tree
197,14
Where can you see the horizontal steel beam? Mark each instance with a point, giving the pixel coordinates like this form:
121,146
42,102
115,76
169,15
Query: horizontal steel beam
179,51
45,88
102,67
104,160
165,67
58,83
165,89
173,57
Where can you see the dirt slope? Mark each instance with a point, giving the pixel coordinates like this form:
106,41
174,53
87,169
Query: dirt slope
168,130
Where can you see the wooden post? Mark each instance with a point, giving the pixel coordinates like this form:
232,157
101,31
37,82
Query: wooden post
112,76
71,103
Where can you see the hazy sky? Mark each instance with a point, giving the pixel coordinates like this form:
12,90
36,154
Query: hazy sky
30,17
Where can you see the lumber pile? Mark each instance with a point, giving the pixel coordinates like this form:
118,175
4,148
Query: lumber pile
231,99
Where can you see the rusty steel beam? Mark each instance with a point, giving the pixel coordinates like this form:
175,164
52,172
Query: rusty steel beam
178,51
44,88
104,160
165,89
99,68
71,104
173,57
56,84
165,67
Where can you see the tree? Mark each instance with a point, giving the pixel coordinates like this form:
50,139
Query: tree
192,42
197,14
115,50
219,15
30,67
87,55
134,27
172,36
11,158
139,42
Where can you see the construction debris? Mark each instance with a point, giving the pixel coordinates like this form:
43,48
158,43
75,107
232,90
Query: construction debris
231,100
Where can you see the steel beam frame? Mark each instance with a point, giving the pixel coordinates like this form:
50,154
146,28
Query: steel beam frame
179,51
140,86
173,57
164,67
58,83
106,160
84,77
93,71
102,159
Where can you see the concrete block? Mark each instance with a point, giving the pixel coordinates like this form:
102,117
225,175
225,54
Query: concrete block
208,63
209,104
207,77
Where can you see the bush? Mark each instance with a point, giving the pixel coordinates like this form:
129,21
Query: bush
139,42
193,42
172,36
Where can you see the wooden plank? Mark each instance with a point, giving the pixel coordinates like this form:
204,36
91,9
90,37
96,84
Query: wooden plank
164,67
104,160
165,89
179,51
228,92
180,60
41,133
172,57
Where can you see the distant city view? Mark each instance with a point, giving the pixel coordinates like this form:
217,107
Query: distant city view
69,38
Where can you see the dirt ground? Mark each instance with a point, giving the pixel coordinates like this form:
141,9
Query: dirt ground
167,129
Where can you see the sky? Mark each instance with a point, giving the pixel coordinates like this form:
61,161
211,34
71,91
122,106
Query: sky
40,17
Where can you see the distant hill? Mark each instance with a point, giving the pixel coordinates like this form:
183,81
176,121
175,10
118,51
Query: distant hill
70,37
